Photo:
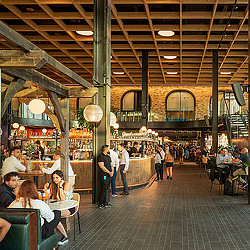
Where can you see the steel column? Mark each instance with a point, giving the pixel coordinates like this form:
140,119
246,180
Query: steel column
145,101
215,102
102,74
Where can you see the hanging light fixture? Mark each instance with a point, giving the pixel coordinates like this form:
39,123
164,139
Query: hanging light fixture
37,106
156,134
22,128
15,125
44,130
143,129
116,126
93,113
150,131
112,119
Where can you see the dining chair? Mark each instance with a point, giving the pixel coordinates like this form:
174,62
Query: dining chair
76,197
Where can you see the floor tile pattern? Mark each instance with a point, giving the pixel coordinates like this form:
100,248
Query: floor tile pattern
181,214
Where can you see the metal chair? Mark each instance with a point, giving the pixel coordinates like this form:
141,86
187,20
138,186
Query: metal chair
76,197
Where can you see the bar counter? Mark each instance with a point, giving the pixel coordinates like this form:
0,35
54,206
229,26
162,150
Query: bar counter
139,172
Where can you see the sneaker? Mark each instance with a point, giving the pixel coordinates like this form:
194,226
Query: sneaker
114,195
124,193
101,206
167,177
108,205
171,178
63,241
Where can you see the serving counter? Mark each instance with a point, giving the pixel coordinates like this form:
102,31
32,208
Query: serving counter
139,172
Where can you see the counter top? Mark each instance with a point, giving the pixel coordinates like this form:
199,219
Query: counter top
79,161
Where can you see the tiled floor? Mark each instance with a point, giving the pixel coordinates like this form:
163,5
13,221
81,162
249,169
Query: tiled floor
178,214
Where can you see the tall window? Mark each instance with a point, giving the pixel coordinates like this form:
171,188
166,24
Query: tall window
180,105
132,100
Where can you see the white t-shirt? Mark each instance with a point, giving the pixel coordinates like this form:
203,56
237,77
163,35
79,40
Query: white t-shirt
12,164
56,166
114,159
45,212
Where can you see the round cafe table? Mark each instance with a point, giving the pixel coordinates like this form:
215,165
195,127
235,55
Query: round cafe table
62,205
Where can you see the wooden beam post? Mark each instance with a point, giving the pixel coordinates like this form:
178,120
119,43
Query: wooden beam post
39,79
9,93
65,138
58,110
20,59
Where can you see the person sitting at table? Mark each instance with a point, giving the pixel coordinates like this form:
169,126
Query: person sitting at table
12,163
4,228
242,170
60,190
57,165
7,189
221,160
27,197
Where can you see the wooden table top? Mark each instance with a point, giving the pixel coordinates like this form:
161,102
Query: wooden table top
62,205
32,173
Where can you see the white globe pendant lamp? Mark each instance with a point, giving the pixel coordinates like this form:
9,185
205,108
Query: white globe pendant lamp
37,106
112,119
93,113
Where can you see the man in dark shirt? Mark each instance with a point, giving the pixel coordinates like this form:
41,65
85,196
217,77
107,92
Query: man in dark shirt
106,171
241,171
7,195
133,151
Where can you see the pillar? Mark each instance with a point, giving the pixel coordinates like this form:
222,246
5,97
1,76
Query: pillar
65,138
248,103
101,73
215,102
145,103
202,140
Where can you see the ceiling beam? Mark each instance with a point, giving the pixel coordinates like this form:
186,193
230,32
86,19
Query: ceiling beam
19,41
39,79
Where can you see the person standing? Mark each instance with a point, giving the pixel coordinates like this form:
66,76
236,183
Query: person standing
106,171
115,163
162,153
181,154
7,189
12,163
57,166
134,150
169,160
124,162
157,164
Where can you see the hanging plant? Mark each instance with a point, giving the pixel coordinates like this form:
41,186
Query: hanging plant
82,122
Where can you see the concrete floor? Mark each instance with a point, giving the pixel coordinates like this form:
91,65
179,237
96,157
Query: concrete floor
179,214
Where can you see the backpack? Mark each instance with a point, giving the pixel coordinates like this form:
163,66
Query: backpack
228,188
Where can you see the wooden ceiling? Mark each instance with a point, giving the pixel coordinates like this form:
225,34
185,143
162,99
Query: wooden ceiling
198,25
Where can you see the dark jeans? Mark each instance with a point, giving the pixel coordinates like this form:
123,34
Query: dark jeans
105,185
113,181
157,169
124,179
161,170
223,174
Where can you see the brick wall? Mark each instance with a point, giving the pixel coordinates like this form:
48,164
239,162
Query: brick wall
158,96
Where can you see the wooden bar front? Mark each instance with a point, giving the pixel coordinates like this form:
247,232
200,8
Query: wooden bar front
139,172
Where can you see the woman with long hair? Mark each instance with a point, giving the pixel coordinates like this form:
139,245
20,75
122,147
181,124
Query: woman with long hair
169,161
27,197
60,190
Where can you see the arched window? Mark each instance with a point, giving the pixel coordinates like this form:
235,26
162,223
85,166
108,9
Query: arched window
180,105
131,101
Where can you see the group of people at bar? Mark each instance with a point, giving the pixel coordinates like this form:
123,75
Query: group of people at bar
24,194
109,163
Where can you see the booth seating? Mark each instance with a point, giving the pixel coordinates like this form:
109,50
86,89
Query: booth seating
26,231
